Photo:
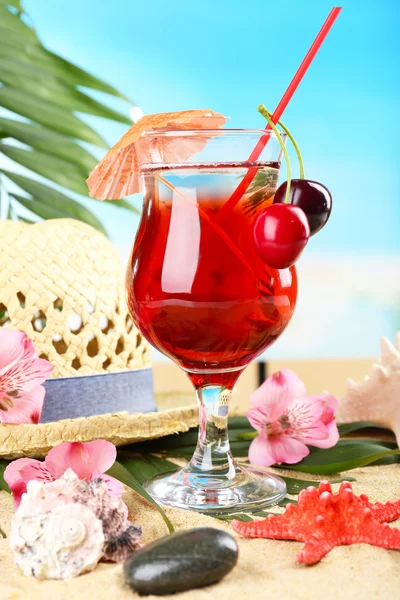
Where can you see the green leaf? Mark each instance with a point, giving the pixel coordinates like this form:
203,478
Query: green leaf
27,221
356,426
17,46
343,458
248,435
239,423
48,114
13,22
143,467
61,67
51,197
69,210
45,85
15,3
161,465
238,517
138,467
60,171
40,138
48,194
125,476
286,501
77,76
3,484
358,440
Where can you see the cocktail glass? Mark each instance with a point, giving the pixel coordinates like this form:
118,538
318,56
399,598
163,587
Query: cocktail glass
199,292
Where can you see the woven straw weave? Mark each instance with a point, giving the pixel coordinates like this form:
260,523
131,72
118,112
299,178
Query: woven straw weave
61,282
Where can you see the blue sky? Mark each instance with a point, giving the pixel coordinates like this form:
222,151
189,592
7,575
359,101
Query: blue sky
231,56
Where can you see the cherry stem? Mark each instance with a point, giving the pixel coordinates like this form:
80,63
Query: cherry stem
266,114
295,145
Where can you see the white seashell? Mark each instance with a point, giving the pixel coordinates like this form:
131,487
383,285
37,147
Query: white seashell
377,397
68,525
57,545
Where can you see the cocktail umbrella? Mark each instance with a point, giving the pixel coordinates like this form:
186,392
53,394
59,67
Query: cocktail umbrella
118,173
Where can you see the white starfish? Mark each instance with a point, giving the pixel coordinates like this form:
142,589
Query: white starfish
377,397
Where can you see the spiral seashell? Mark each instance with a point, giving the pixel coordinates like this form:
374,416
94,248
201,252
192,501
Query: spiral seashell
58,545
72,532
63,528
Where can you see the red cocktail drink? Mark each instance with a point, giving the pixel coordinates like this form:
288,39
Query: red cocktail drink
206,300
199,292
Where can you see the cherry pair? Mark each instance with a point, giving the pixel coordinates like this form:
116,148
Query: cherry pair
282,230
300,209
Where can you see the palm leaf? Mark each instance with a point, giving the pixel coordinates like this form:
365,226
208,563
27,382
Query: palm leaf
72,74
48,114
12,26
44,139
9,20
48,203
70,209
45,90
45,85
57,170
15,3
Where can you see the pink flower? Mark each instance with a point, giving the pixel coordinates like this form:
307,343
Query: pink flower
88,461
21,376
288,420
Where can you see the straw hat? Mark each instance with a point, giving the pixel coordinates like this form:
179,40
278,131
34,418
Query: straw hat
62,283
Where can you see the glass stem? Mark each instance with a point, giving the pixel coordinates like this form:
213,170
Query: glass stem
212,454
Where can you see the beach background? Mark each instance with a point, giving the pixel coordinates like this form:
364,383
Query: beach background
230,57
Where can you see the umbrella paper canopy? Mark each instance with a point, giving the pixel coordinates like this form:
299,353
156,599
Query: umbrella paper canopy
117,174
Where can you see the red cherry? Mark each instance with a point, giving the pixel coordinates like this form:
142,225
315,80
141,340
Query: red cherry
280,232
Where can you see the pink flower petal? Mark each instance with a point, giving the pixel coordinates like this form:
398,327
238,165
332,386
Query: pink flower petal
27,408
29,350
115,487
305,419
19,472
331,406
331,439
312,417
259,453
27,375
37,470
277,391
285,449
88,460
258,417
12,348
305,411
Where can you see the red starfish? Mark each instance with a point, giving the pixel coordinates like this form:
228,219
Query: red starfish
324,520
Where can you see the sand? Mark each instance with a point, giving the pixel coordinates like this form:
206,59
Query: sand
266,569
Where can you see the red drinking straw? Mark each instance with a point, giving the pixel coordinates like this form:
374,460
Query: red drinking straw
287,96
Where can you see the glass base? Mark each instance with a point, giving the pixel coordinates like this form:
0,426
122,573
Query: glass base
244,490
